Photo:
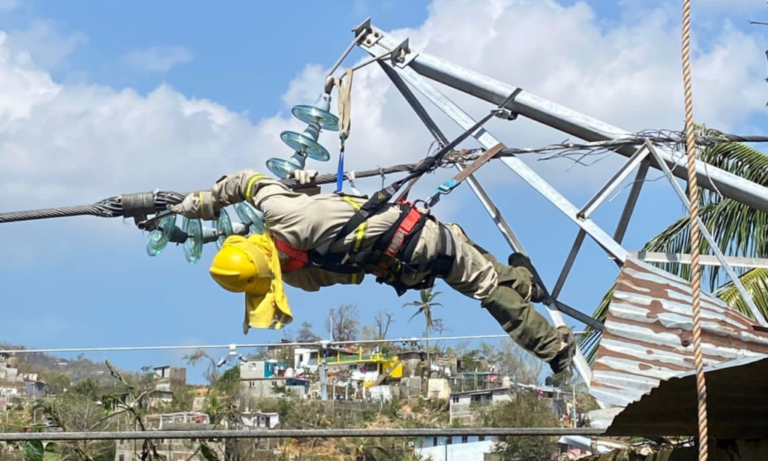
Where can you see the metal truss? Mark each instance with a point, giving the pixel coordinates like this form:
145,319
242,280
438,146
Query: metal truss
408,67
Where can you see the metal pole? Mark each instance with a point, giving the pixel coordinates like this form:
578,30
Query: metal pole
633,162
629,207
515,164
568,263
485,138
474,184
711,240
571,121
705,260
300,433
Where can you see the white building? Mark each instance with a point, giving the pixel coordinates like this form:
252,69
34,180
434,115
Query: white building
463,403
259,420
466,448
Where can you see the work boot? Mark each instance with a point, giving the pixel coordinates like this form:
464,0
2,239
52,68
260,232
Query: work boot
564,357
520,260
523,323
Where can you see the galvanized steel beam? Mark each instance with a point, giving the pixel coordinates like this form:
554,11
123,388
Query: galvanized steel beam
488,141
572,122
629,206
707,260
709,238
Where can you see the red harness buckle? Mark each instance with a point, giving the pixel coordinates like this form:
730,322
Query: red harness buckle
298,258
405,228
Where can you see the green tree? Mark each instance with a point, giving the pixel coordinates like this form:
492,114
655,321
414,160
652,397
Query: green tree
306,335
525,410
738,230
229,382
57,383
424,306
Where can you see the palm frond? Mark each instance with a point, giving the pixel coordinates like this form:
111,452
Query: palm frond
416,313
755,282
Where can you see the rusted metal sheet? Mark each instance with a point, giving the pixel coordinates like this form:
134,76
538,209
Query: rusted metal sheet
648,334
737,402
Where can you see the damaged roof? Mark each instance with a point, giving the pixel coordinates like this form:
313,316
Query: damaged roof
648,335
737,402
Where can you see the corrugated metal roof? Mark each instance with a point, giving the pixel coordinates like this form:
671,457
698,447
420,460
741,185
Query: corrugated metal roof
648,334
737,402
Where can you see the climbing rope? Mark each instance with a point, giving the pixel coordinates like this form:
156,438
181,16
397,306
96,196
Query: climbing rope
693,191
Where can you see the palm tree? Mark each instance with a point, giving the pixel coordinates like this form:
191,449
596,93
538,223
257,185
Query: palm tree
425,305
738,230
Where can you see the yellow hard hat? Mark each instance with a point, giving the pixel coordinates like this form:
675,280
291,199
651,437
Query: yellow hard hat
241,266
251,265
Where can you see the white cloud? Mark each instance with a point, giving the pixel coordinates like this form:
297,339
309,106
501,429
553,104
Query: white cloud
46,45
67,144
158,58
6,6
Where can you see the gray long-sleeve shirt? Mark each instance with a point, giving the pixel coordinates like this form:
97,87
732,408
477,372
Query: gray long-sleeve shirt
308,222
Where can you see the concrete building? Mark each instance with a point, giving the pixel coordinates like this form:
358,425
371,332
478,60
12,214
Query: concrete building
173,450
467,448
438,389
260,379
36,389
463,404
168,378
306,359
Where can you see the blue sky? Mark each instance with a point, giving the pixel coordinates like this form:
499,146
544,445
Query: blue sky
131,96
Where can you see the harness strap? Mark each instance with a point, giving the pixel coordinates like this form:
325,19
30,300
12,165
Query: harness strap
298,258
404,229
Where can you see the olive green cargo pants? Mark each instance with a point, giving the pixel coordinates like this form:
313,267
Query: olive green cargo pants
518,317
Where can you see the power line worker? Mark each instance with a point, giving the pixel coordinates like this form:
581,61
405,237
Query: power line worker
402,245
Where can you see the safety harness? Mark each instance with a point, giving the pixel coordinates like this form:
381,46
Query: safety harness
389,258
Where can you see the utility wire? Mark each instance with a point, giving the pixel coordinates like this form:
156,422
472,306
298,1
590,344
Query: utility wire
112,207
252,345
302,433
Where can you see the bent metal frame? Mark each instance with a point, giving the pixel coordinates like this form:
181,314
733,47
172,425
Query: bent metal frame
402,64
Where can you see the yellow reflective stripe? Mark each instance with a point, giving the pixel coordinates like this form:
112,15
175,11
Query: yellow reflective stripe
361,228
360,232
251,182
